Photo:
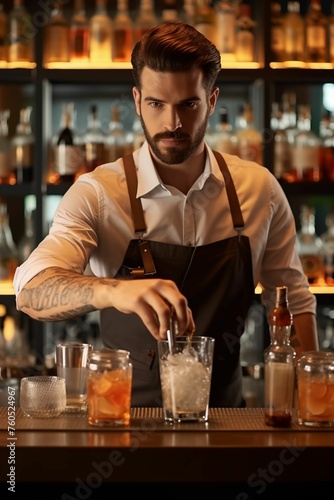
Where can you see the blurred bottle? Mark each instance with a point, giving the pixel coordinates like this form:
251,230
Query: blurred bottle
326,132
189,10
22,146
66,158
327,239
21,34
100,26
56,36
305,152
250,142
116,138
282,161
225,139
137,136
245,38
330,35
309,246
122,34
8,250
27,243
315,33
94,141
226,29
79,33
3,36
279,364
6,173
205,20
277,32
293,33
146,18
170,13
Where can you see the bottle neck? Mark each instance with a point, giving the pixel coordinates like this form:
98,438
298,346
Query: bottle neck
280,335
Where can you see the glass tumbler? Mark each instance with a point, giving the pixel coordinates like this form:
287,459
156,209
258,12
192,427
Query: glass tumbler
315,376
109,384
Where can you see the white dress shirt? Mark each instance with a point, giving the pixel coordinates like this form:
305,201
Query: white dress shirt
93,223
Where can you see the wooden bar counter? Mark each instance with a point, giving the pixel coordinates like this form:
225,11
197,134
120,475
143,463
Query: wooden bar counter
234,451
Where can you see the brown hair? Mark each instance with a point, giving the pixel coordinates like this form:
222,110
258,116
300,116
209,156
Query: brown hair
175,47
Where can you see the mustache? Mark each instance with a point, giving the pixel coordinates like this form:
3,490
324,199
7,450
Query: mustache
171,135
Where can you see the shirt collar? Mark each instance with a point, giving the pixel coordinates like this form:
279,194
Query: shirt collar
148,178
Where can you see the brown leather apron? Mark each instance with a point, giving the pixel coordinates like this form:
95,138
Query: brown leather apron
217,280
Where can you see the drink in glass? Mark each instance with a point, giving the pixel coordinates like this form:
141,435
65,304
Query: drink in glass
315,373
109,385
186,378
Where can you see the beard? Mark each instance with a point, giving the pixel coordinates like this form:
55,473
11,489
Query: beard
173,155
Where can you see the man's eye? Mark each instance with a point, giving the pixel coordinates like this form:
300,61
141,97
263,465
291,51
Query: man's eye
191,104
155,104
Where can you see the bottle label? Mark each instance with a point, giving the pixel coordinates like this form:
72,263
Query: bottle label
331,42
68,160
57,44
316,37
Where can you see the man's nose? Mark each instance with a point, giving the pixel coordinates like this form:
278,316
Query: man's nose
172,121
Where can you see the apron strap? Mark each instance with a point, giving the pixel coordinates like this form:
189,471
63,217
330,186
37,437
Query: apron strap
237,218
137,209
132,182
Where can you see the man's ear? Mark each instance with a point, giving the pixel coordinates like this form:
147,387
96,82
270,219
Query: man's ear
136,97
213,100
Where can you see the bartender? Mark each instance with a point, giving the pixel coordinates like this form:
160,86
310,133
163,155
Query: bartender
174,226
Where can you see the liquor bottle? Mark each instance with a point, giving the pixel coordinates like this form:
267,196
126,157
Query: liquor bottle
277,32
188,12
8,250
122,33
294,35
226,29
309,246
205,20
245,38
315,33
6,174
100,26
3,36
305,151
22,147
327,239
27,243
67,159
327,149
225,138
56,36
116,139
279,364
250,141
21,34
282,161
146,18
169,13
79,34
94,141
137,136
330,34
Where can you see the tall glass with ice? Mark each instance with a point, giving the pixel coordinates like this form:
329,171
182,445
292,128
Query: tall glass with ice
186,378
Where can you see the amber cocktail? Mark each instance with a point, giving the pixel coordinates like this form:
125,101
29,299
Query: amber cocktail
316,389
109,386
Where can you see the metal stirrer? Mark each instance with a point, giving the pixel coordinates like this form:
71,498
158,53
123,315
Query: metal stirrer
171,333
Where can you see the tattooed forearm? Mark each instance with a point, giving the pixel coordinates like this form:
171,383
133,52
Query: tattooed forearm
60,291
63,316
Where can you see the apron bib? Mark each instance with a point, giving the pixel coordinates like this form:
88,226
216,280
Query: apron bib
218,283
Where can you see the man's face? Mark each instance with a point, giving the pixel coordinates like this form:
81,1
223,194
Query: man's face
174,110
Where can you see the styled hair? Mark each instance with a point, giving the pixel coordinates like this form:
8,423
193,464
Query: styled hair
174,47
